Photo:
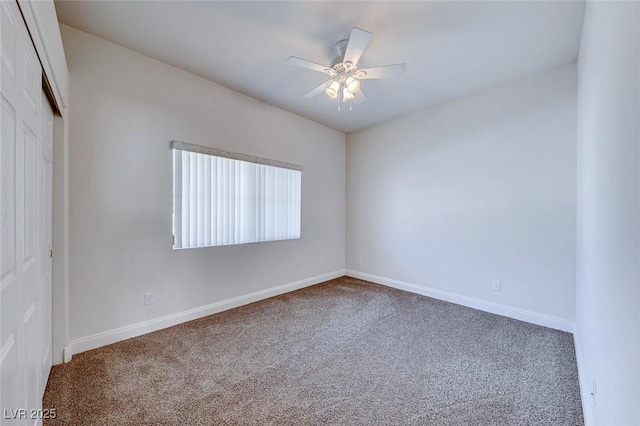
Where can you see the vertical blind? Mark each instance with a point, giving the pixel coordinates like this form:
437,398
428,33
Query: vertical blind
223,198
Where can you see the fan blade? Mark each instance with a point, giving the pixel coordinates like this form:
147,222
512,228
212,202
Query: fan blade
303,63
387,71
314,92
360,98
358,43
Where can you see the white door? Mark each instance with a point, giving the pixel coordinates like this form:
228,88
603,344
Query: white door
22,240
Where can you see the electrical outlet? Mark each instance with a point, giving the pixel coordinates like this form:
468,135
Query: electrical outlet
148,298
322,261
359,259
497,285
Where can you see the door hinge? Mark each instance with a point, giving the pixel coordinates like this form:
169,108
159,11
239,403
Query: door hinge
51,254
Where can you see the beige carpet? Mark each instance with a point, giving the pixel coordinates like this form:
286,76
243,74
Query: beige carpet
344,352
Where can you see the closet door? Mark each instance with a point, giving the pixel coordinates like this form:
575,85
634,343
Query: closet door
22,314
45,246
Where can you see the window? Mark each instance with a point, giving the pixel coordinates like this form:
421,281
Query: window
222,198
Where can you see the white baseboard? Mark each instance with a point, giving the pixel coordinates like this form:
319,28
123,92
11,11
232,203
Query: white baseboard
585,382
482,305
112,336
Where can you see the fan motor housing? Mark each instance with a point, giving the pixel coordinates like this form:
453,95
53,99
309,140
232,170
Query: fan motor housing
341,46
343,69
338,64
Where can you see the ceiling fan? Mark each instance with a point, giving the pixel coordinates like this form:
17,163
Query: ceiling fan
344,83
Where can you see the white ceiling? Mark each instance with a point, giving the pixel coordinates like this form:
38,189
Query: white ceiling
451,48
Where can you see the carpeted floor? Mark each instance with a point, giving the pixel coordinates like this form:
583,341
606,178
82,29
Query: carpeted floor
345,352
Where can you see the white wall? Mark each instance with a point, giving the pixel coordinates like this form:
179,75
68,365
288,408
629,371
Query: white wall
480,189
608,291
127,108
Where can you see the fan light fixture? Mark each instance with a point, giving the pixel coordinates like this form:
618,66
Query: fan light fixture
344,71
333,89
352,84
347,95
349,89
